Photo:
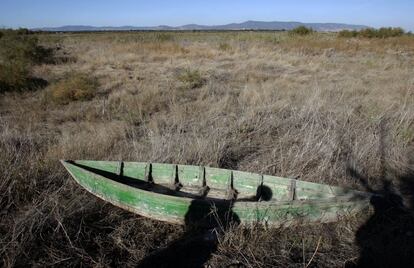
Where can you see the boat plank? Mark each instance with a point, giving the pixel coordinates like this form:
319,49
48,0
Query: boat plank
157,201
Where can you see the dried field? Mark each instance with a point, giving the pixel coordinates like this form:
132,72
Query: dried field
330,110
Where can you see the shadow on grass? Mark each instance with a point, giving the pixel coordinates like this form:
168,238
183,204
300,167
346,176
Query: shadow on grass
29,84
204,223
198,242
35,83
386,239
47,55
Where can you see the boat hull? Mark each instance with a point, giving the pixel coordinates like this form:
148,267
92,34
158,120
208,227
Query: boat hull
185,210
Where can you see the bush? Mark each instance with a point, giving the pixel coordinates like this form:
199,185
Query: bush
19,51
23,31
347,34
13,76
192,79
390,32
301,30
373,33
367,33
16,55
76,87
14,45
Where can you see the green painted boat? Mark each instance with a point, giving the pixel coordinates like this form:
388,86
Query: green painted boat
186,194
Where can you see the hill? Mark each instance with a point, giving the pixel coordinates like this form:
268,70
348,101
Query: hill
247,25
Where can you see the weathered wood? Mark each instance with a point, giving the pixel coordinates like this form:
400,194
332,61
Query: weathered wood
183,193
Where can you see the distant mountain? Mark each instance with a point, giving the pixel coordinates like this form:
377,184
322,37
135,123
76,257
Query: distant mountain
247,25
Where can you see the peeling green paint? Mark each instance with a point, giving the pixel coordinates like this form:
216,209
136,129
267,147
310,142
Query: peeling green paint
311,202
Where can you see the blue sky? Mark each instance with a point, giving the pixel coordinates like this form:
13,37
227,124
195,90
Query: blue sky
41,13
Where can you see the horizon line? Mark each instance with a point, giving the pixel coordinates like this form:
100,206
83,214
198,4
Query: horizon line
193,24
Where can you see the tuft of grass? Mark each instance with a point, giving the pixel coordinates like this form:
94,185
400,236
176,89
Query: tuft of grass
192,79
224,47
163,37
75,87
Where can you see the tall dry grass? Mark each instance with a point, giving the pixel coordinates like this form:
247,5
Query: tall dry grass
316,107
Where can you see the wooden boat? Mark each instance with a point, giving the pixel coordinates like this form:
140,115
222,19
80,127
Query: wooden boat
187,194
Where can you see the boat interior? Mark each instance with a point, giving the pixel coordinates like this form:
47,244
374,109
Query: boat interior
200,182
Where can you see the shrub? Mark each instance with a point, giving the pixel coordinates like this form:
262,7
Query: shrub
76,87
367,33
373,33
13,76
301,30
192,79
14,45
390,32
15,62
19,51
347,34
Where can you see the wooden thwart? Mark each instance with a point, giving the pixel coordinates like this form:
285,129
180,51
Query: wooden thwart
171,192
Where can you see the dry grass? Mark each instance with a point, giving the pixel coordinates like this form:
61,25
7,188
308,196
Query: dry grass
74,87
319,107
